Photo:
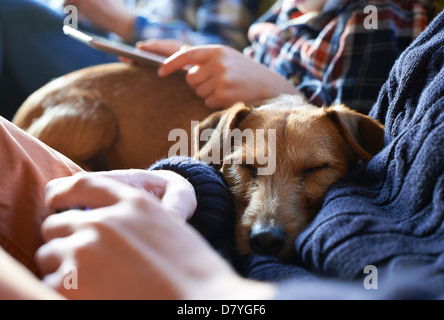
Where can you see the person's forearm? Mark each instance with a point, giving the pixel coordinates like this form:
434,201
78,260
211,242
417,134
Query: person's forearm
18,283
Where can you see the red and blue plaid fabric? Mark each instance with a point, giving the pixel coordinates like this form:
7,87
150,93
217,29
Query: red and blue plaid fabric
342,54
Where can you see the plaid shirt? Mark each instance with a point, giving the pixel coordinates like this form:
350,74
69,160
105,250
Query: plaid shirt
334,56
197,22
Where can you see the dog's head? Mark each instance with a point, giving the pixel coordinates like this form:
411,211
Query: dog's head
279,160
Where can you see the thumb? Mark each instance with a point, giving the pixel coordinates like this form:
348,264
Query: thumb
185,58
164,47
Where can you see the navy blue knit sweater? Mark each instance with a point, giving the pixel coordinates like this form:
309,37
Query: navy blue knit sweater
214,217
388,214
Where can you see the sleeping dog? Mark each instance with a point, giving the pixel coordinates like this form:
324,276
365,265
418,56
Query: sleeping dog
118,116
309,149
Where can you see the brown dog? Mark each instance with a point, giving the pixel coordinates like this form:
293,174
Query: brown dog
306,149
119,116
111,116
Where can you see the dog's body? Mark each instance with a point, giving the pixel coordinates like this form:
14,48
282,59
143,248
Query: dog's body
314,147
111,116
119,116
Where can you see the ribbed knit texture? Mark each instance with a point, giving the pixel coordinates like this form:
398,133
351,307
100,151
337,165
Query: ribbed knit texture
391,213
214,217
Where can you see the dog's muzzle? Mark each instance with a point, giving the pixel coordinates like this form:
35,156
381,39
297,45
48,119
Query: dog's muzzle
267,240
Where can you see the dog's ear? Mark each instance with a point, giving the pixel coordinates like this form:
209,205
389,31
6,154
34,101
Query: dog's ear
211,130
364,134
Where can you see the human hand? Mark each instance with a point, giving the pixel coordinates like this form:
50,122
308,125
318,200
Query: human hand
223,76
262,29
129,247
111,15
175,192
163,47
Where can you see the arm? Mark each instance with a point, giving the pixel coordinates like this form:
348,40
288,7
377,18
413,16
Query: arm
17,282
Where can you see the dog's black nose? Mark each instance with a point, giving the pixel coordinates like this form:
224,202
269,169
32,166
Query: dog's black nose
267,240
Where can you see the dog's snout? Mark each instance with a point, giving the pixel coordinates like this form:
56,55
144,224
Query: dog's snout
267,240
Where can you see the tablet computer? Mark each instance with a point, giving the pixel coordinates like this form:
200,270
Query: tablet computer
114,47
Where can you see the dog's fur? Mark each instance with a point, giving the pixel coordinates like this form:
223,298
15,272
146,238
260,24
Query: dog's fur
117,116
314,148
112,116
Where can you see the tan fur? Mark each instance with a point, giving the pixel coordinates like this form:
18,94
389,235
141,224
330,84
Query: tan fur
119,116
314,148
111,116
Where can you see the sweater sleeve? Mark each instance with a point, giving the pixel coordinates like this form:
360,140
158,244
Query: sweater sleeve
214,217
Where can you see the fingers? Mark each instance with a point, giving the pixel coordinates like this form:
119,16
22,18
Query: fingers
58,251
179,196
164,47
80,191
198,75
101,189
197,55
143,180
206,80
50,256
206,89
208,69
54,256
214,90
175,192
64,225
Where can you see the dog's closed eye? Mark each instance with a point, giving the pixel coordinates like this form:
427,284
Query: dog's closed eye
306,150
310,171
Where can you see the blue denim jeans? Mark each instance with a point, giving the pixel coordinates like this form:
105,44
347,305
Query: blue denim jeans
34,50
